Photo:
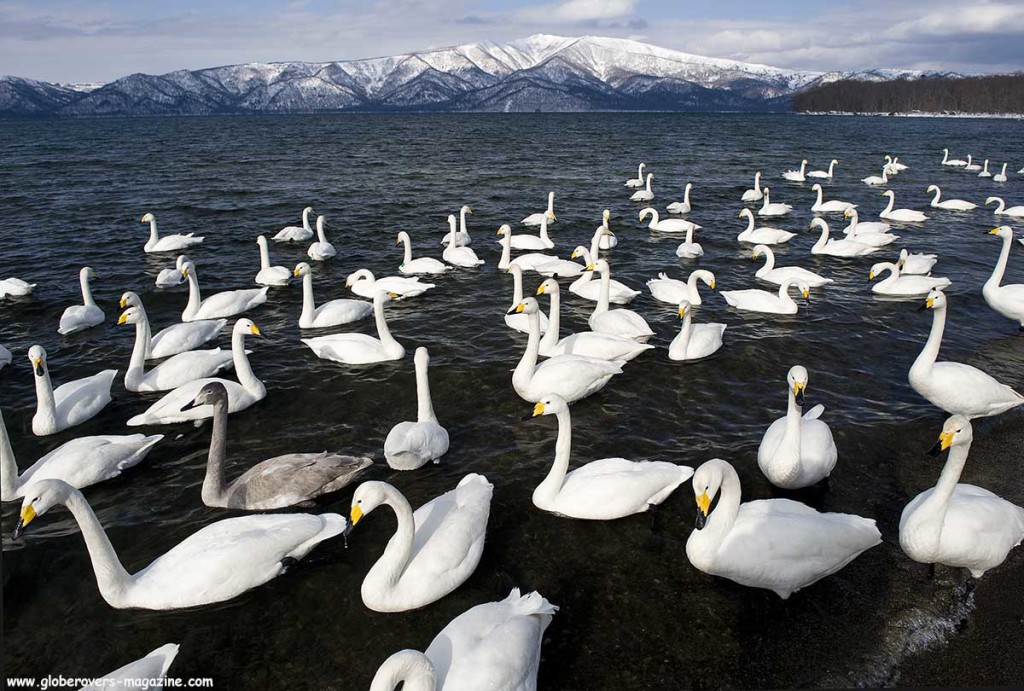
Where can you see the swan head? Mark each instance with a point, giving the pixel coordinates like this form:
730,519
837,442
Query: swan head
368,496
212,393
505,229
761,250
130,299
600,266
904,255
87,273
930,188
745,212
956,431
148,218
684,307
527,306
833,162
247,327
549,286
551,404
361,275
849,213
797,380
402,237
993,200
1005,232
889,193
186,268
580,251
819,223
451,220
37,356
816,187
308,210
40,497
551,216
408,666
606,214
645,212
301,269
132,315
261,240
180,261
465,209
422,357
707,481
935,300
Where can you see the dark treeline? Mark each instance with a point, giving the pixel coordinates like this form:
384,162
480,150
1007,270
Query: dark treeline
995,94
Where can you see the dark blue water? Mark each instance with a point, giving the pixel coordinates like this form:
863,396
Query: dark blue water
634,613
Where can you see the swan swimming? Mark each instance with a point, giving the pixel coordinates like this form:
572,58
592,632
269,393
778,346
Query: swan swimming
411,445
589,289
955,162
755,300
1002,210
619,321
773,209
168,243
541,241
169,278
462,238
646,194
330,313
984,171
837,248
225,304
877,181
357,348
1000,176
694,341
86,315
763,235
669,225
674,291
456,255
420,265
1007,300
682,207
796,175
177,338
907,286
71,403
755,194
518,320
770,273
15,287
362,282
949,204
971,165
916,264
638,181
296,233
321,250
270,275
831,206
586,343
549,213
865,228
824,173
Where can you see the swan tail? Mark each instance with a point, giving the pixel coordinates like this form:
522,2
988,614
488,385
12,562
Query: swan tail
168,652
531,603
815,412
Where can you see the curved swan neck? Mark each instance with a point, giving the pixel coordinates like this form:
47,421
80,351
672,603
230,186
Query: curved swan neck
111,576
823,240
8,465
383,332
831,167
1000,268
938,195
757,181
890,205
396,555
552,484
685,332
686,194
411,668
83,280
821,198
195,298
750,222
137,366
153,235
213,483
554,320
321,234
308,302
424,406
769,262
722,519
305,219
784,296
242,367
527,363
931,347
407,249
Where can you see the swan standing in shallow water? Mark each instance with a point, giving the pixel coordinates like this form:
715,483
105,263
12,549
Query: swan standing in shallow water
755,194
15,287
1007,300
763,235
296,233
549,213
569,375
411,445
177,338
755,300
226,304
84,316
797,450
638,181
620,321
270,275
71,403
455,255
175,406
694,341
214,564
824,173
331,313
796,175
171,373
831,206
777,544
80,462
669,225
949,204
605,489
275,483
1001,210
519,321
321,250
433,550
462,238
362,282
169,278
673,291
907,286
916,264
770,209
168,243
646,194
420,265
682,207
955,162
837,248
957,388
770,273
360,349
586,343
956,524
495,645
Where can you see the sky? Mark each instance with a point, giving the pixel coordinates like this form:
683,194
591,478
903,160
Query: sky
71,41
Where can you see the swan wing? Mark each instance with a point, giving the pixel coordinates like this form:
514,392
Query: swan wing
183,337
287,480
168,410
85,461
230,302
78,400
423,441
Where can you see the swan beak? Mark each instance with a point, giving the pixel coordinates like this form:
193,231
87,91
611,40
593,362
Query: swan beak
553,217
798,393
711,285
184,273
573,255
994,231
255,330
356,515
39,366
901,263
682,312
123,319
518,309
191,404
590,267
295,273
871,275
806,294
928,304
122,303
538,410
540,288
944,442
394,296
846,214
703,505
348,282
28,514
469,211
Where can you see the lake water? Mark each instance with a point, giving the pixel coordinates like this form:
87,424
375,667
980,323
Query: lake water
634,613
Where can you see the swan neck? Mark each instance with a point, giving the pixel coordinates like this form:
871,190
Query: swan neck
685,333
722,519
87,300
424,405
605,295
506,251
410,668
383,332
821,198
551,198
111,576
462,221
153,235
213,483
686,196
823,239
8,465
137,366
769,262
321,234
527,363
45,405
305,220
396,555
264,255
517,287
554,320
750,223
195,298
308,302
407,250
1000,268
552,484
931,348
949,477
890,205
242,367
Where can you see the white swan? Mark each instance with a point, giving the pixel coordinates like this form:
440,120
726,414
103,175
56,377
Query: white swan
241,394
877,239
214,564
169,278
837,248
587,288
907,215
638,181
603,234
546,264
831,206
824,173
949,204
84,316
620,321
695,341
947,161
535,219
797,450
462,238
1000,176
411,445
80,462
71,403
177,338
571,376
517,320
331,313
773,209
1002,210
856,227
525,241
682,207
770,273
669,225
168,243
893,165
587,343
296,233
916,264
495,645
763,235
175,371
605,489
433,551
971,165
877,180
957,524
646,194
674,291
755,194
357,348
796,175
15,287
225,304
984,171
270,275
754,300
455,255
420,265
777,544
1007,300
153,667
688,249
911,285
957,388
362,282
321,250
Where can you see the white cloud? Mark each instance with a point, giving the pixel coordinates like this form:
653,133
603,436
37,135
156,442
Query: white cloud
576,11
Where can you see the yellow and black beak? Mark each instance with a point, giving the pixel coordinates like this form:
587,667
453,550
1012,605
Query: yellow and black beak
518,309
255,330
184,272
871,275
944,442
538,410
28,514
703,506
682,312
590,267
798,392
573,255
712,285
994,231
123,319
540,289
356,515
123,303
928,304
38,366
295,273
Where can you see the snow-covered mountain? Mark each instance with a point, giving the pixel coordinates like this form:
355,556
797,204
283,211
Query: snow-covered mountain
542,72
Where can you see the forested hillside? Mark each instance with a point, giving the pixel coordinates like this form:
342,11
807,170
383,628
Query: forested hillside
992,94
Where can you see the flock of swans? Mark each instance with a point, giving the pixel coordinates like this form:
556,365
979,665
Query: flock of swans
776,544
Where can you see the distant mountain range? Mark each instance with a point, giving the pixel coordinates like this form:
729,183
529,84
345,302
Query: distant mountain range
539,73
